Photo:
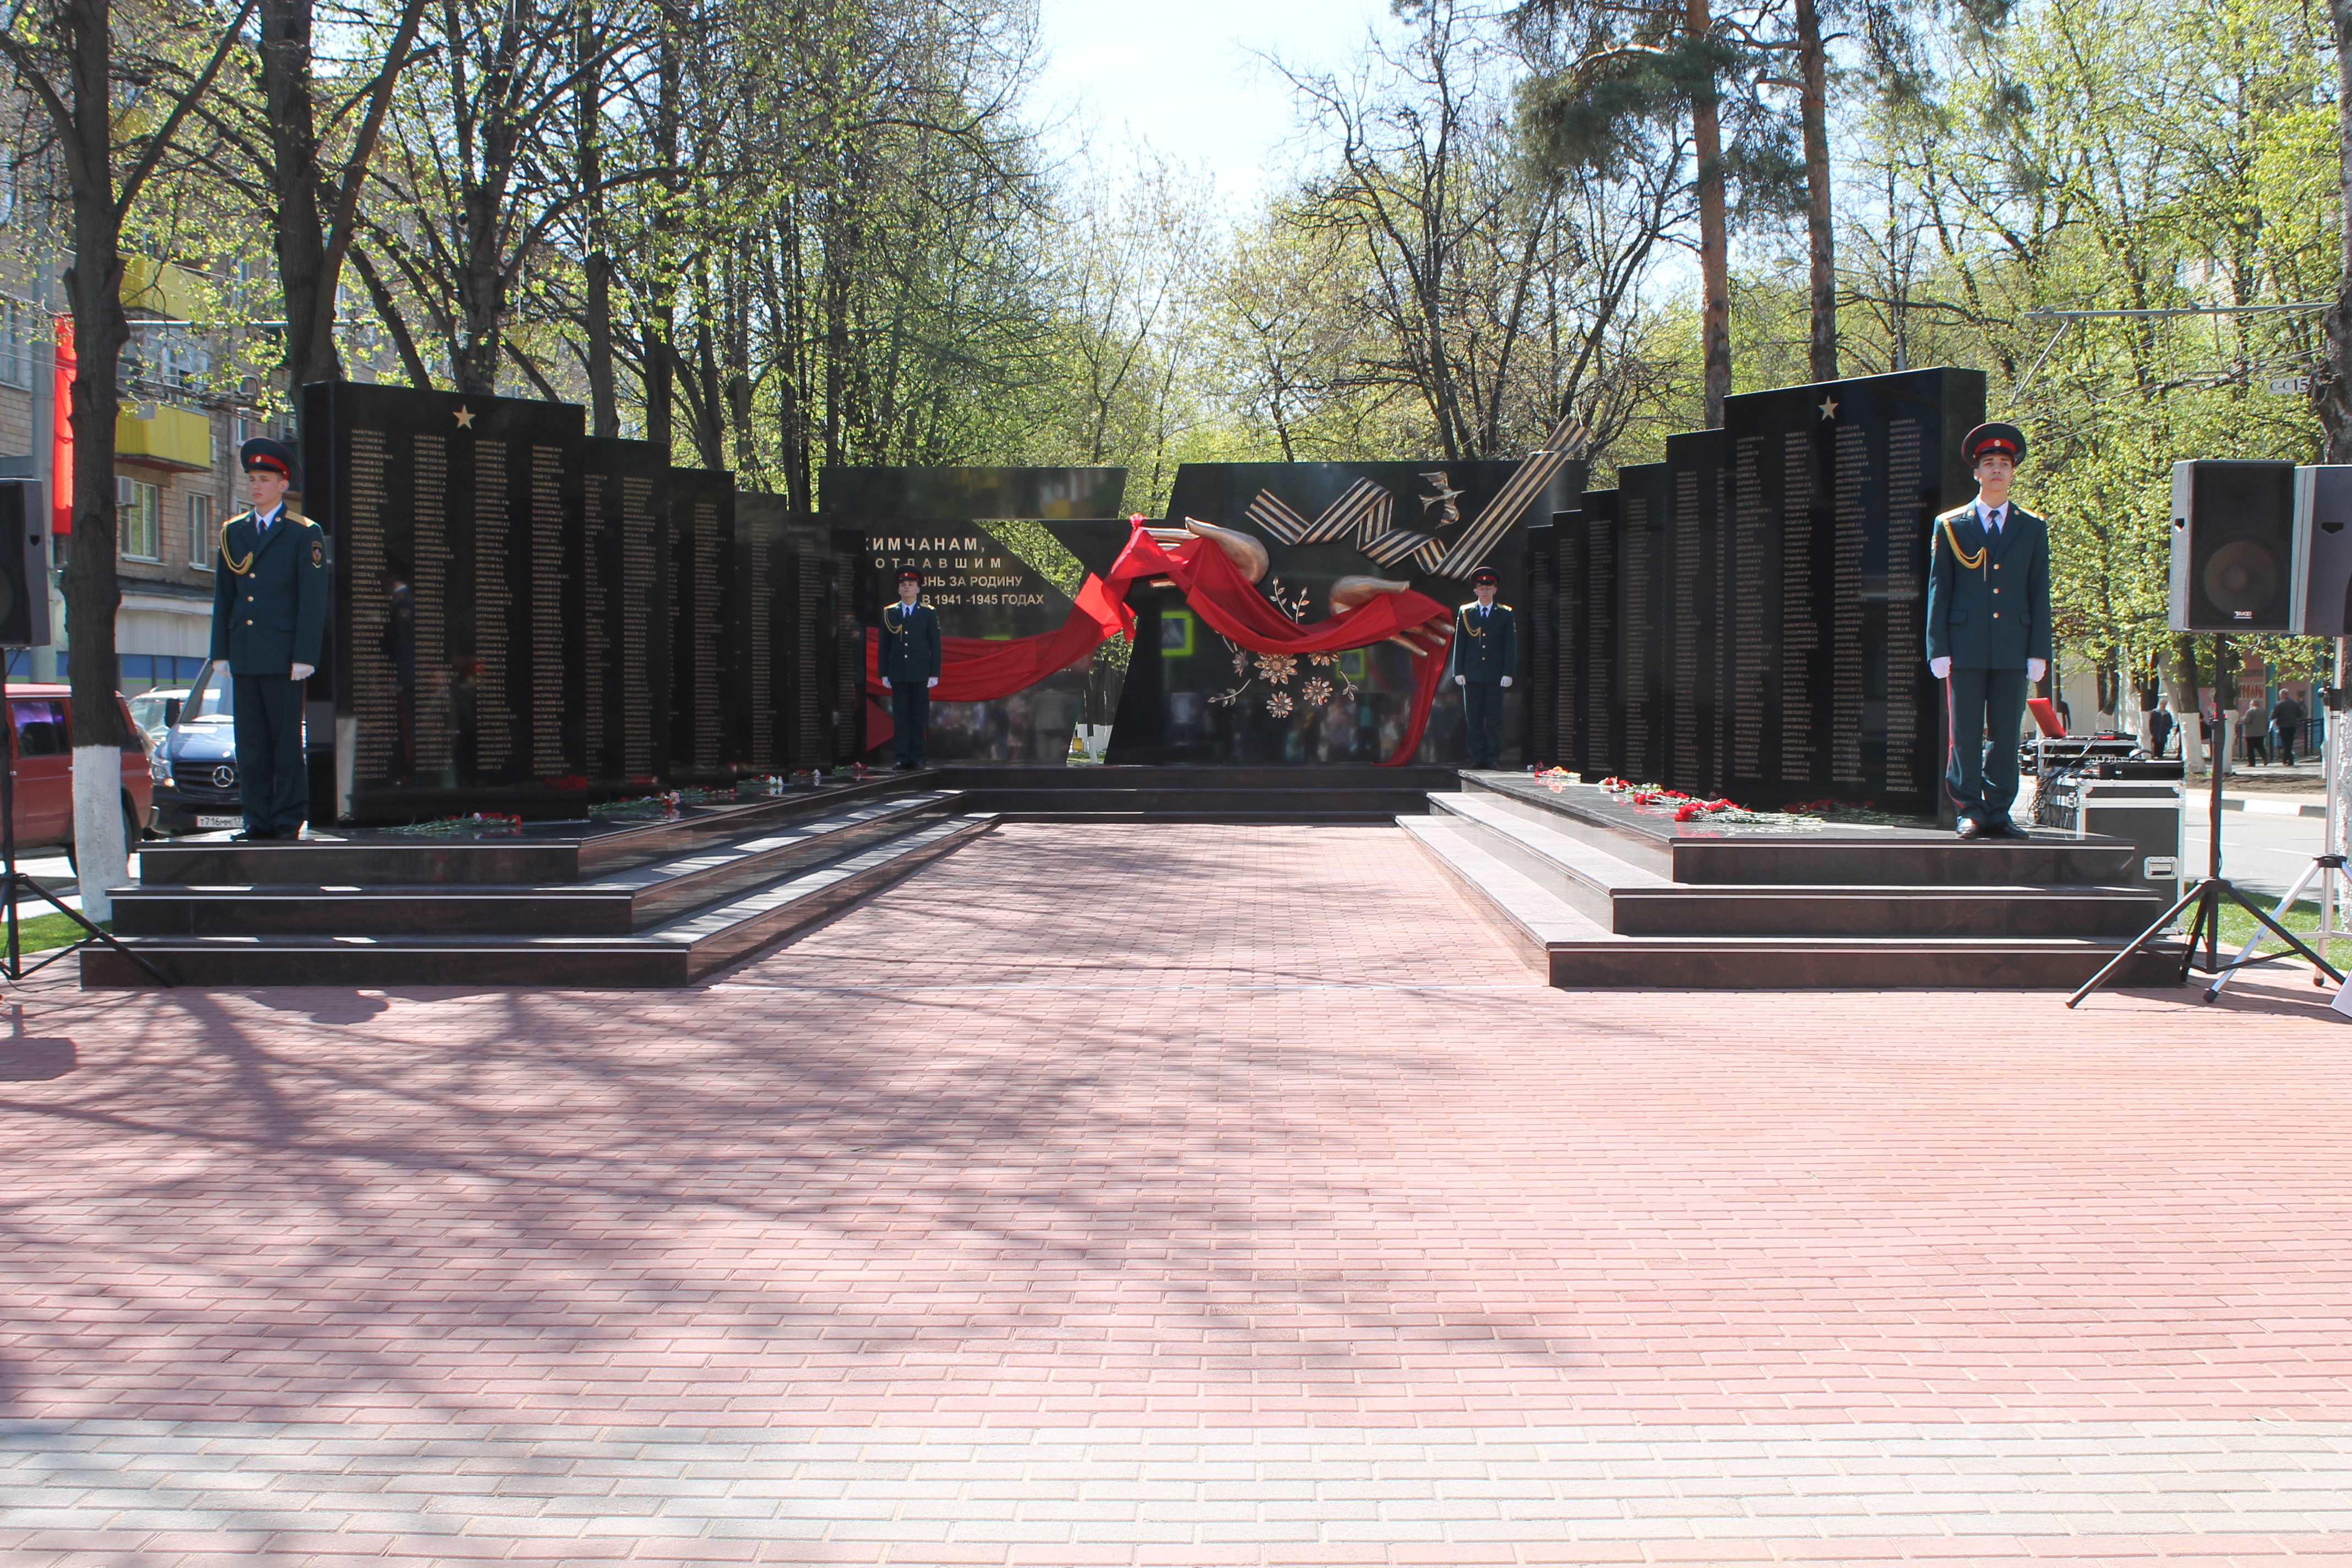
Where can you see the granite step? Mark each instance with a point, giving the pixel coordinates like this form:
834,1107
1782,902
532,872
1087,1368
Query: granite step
1238,793
541,854
679,953
620,903
1625,899
1236,805
1575,952
1837,854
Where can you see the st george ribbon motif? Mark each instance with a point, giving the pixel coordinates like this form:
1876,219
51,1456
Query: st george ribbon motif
1218,589
1365,513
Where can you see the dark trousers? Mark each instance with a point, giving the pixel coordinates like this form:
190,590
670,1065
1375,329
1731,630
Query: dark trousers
910,718
1482,721
2286,747
272,776
1984,708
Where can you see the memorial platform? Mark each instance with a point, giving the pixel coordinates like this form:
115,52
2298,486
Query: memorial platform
558,904
1602,893
1267,793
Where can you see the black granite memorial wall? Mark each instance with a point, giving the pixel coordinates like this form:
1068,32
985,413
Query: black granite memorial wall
523,613
1753,607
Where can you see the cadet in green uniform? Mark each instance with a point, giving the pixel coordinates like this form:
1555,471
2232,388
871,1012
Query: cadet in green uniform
1987,630
270,611
1485,655
910,668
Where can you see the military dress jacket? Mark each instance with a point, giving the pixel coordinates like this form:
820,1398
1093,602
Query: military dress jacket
1485,642
269,596
910,643
1987,600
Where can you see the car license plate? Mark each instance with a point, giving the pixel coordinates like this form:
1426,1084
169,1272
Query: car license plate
203,823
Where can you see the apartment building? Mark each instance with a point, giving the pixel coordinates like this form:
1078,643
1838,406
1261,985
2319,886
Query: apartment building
175,477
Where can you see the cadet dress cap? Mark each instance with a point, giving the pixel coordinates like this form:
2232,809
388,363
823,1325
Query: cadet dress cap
261,452
1483,574
908,574
1985,438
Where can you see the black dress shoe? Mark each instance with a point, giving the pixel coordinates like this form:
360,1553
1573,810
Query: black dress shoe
252,837
1971,828
2007,828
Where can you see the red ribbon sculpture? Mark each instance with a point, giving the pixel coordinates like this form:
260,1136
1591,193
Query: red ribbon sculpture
974,669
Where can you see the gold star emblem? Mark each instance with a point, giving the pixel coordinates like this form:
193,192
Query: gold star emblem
1828,406
464,417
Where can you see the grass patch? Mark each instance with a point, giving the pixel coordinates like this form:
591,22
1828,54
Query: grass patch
38,933
2237,925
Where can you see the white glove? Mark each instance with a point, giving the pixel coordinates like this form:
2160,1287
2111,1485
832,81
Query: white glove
933,681
886,683
1506,681
304,671
1941,668
1461,681
2035,668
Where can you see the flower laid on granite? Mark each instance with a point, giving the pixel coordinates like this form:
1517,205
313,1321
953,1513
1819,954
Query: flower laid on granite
1317,691
1279,703
664,804
1276,667
450,827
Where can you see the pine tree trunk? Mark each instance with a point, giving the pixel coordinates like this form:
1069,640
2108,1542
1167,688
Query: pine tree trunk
1714,232
1821,348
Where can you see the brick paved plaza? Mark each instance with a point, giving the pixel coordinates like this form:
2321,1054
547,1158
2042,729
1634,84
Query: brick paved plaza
1174,1195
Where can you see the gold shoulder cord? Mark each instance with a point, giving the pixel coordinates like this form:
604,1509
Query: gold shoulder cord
231,561
1971,562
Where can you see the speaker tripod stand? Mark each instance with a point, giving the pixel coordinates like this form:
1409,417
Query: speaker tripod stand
2211,892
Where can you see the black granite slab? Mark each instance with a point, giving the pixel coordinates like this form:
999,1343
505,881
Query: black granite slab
1710,850
1694,609
622,647
691,870
538,853
1833,489
456,527
1644,699
1603,731
1542,624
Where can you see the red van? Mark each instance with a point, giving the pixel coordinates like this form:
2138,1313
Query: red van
40,748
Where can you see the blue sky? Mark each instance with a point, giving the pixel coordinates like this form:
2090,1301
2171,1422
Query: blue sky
1181,79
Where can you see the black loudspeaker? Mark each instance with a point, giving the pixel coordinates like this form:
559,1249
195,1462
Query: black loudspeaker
2233,557
2323,547
23,576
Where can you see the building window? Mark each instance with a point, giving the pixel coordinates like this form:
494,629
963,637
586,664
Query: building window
16,340
202,540
139,519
